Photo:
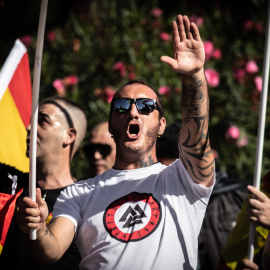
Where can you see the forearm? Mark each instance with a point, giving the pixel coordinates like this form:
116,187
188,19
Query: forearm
195,151
45,248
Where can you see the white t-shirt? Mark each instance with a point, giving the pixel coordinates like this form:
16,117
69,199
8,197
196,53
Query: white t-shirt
147,218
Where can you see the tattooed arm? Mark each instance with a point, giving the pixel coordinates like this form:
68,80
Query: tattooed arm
188,61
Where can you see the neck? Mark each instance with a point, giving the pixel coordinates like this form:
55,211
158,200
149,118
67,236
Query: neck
125,164
53,177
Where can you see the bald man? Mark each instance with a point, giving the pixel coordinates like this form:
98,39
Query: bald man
101,149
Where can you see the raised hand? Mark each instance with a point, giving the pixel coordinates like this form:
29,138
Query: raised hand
189,54
32,215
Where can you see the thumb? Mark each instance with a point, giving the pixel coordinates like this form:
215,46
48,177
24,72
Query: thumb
39,199
169,61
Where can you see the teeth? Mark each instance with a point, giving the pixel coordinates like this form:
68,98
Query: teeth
133,135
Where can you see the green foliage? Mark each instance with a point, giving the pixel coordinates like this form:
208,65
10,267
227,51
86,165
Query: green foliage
98,34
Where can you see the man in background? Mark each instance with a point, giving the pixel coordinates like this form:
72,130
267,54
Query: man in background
61,128
100,150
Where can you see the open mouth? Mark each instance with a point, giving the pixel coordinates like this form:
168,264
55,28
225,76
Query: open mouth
134,131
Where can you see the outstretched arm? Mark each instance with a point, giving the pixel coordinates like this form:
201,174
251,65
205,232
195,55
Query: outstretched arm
52,239
188,61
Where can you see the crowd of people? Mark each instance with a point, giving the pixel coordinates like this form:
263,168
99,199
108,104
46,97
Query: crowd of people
153,199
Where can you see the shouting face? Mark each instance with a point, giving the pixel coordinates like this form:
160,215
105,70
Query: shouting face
135,122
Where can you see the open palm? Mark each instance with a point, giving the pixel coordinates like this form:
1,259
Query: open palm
189,54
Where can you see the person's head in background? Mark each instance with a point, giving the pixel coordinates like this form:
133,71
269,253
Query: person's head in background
101,149
167,146
61,128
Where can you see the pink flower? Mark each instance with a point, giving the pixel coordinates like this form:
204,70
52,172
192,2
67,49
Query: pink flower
258,83
233,132
163,90
26,40
156,12
217,54
197,20
109,93
164,36
51,36
212,77
251,67
59,87
239,74
259,27
132,76
209,48
71,80
215,153
248,24
242,142
119,66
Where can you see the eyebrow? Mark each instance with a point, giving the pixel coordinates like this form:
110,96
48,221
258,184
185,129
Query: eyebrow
44,115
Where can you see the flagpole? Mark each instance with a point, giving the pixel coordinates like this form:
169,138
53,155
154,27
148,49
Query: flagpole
35,101
261,127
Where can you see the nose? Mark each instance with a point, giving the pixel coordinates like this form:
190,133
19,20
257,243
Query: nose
133,111
97,155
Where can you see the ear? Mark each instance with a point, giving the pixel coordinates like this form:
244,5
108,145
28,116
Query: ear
162,126
70,136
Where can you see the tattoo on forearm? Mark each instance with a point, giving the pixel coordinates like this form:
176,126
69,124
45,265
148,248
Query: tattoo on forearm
193,98
48,232
146,162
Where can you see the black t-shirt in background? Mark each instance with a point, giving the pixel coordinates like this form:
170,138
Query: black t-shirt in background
16,254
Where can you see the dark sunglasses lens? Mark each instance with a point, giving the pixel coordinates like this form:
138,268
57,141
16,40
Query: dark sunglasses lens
103,149
121,105
145,105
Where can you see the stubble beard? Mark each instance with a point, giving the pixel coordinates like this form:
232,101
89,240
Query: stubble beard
150,141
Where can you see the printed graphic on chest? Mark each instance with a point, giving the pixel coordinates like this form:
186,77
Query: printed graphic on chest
132,217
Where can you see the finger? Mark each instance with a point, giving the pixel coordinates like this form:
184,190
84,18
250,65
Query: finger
175,35
254,203
187,27
259,195
181,28
195,31
246,264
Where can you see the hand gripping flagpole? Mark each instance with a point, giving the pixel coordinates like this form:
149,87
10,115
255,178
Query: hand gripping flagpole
260,138
35,99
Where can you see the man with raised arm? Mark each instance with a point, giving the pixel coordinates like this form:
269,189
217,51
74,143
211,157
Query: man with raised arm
140,214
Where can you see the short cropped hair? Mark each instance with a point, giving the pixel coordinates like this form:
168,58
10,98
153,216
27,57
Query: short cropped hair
75,117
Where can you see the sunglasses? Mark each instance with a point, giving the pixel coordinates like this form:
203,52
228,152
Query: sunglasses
143,105
103,149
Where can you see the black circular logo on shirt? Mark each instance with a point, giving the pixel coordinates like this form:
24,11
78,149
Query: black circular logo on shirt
132,217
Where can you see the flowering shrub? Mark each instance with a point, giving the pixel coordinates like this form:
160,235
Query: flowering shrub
104,44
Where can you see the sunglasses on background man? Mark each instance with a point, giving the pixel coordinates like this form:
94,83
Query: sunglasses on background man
92,148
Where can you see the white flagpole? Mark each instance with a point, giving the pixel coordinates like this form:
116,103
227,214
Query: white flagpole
261,127
35,99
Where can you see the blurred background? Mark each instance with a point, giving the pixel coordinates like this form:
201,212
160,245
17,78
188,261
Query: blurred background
92,47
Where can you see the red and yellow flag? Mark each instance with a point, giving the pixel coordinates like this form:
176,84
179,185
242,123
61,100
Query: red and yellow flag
15,107
7,204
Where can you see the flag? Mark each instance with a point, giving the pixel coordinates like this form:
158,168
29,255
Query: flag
7,204
15,107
